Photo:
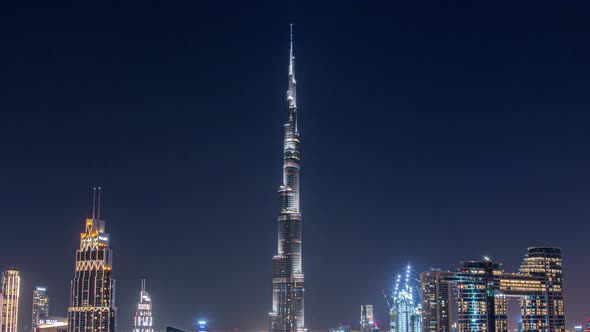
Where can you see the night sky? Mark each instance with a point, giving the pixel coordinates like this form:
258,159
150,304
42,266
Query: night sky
431,133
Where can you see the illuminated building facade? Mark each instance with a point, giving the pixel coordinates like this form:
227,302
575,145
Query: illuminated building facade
143,315
92,300
287,313
436,301
405,310
480,307
10,296
543,309
482,288
40,306
367,318
52,324
202,326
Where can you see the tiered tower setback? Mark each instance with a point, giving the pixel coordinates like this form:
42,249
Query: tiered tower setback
287,281
92,301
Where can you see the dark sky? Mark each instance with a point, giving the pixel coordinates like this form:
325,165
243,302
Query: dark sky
431,132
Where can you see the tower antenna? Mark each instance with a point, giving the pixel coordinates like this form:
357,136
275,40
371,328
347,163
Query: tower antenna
98,214
93,202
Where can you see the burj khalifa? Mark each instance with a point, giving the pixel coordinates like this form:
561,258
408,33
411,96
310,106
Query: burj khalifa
287,313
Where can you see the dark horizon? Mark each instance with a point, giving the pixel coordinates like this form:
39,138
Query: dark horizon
431,134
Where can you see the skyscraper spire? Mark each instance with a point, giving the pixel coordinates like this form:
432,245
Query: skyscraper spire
291,93
291,58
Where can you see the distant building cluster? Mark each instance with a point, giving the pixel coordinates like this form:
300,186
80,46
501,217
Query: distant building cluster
477,294
92,297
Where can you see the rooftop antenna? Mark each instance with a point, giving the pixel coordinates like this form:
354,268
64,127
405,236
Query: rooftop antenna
143,284
93,202
98,214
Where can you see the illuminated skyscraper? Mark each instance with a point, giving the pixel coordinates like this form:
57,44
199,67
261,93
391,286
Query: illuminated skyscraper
40,306
543,311
10,295
436,301
92,300
480,304
287,281
367,318
406,310
483,288
143,315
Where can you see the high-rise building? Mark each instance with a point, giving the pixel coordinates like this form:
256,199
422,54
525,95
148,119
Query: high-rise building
483,288
406,310
436,301
480,306
10,295
367,318
92,300
544,310
40,306
143,315
287,313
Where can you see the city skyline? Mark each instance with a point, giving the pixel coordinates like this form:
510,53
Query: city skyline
421,126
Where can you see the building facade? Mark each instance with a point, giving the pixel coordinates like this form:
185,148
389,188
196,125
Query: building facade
40,306
367,318
92,300
10,296
405,311
143,316
543,309
480,307
287,313
482,289
52,324
436,301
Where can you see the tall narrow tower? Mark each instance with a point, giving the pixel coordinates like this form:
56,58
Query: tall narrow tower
92,300
143,315
10,295
287,313
40,306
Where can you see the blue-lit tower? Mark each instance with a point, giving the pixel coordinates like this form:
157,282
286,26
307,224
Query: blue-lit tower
406,310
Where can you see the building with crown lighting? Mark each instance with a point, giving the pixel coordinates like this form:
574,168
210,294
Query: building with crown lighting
40,306
9,298
92,298
287,313
405,312
143,315
482,289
